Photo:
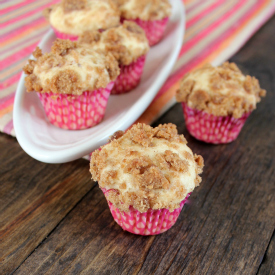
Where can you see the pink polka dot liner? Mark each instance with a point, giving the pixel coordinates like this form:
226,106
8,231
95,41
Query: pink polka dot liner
62,35
129,77
75,112
212,129
152,222
153,29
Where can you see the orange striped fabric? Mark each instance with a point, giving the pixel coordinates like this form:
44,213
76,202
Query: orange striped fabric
215,30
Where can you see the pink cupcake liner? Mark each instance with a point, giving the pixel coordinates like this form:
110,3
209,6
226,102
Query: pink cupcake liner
210,128
129,76
64,36
152,222
154,29
75,112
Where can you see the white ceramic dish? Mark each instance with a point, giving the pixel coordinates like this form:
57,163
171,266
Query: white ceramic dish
47,143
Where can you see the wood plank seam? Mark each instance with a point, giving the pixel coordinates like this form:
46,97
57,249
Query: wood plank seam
265,254
95,184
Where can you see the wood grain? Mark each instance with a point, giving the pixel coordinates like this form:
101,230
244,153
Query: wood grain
57,221
268,267
34,198
81,242
225,228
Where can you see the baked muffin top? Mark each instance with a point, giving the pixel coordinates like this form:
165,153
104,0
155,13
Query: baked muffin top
147,168
220,91
70,68
76,16
127,42
144,9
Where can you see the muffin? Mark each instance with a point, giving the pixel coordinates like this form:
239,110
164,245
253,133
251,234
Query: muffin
151,15
146,175
217,101
70,18
129,46
73,83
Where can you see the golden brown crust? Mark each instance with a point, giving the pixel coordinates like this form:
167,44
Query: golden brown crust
163,170
67,79
116,40
220,91
144,9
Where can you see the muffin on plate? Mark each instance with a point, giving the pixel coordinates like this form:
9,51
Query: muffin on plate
73,83
217,101
151,15
146,174
70,18
129,45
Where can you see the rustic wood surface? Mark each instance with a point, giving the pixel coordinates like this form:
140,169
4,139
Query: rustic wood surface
55,220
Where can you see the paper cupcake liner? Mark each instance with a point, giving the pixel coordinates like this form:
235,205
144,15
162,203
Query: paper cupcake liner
75,112
152,222
64,36
210,128
154,29
129,77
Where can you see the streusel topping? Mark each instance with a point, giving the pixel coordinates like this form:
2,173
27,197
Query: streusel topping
144,9
220,91
127,42
74,16
70,68
147,168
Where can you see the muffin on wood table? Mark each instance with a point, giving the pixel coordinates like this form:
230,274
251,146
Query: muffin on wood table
73,83
217,101
146,174
70,18
151,15
129,46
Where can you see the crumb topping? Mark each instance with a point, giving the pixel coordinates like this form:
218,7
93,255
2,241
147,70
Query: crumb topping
70,68
116,135
220,91
77,16
127,42
144,9
146,168
73,5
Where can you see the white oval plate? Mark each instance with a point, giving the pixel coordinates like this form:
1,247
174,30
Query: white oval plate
47,143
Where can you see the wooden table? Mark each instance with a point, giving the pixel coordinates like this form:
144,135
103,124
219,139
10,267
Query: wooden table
54,219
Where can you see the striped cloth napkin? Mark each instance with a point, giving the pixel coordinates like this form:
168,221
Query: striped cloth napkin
215,30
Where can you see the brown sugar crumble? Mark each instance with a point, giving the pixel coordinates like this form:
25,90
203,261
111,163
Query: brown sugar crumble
142,169
116,135
62,47
72,5
89,37
175,162
67,81
115,40
220,91
65,78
